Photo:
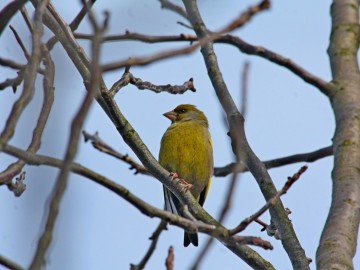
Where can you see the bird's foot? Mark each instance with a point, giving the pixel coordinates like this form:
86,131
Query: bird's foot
186,185
173,175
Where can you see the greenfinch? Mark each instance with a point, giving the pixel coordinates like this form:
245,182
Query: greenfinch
186,150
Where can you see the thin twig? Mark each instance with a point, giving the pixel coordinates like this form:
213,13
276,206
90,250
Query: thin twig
128,77
74,24
169,262
270,203
10,264
278,162
22,46
238,22
29,78
48,99
9,11
27,19
154,239
175,8
103,147
243,46
10,63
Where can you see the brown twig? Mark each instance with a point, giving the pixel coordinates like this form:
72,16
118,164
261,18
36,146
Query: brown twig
154,239
165,4
270,203
246,16
22,46
238,22
9,11
10,264
252,240
10,63
48,99
275,163
13,82
243,46
128,77
169,262
325,87
75,22
27,19
29,80
105,148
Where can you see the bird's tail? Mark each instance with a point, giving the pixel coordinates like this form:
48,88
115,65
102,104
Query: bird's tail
191,238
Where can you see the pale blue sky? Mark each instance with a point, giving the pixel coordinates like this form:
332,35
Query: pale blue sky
98,230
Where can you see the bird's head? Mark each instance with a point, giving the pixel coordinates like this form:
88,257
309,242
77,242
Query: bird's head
186,112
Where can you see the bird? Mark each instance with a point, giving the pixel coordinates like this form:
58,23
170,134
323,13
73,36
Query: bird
186,152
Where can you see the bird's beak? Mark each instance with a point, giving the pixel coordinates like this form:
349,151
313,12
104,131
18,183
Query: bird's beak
171,115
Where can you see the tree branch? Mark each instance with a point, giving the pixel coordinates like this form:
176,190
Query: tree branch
154,239
62,178
270,203
240,145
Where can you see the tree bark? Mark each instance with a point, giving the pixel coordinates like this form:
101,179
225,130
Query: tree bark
339,238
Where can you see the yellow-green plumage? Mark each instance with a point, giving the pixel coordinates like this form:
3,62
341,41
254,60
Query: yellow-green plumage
186,150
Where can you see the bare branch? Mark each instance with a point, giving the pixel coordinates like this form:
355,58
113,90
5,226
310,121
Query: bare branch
27,19
10,63
103,147
74,24
251,240
323,86
270,203
128,77
275,163
62,178
246,16
48,86
22,46
9,11
81,15
10,264
175,8
154,239
29,80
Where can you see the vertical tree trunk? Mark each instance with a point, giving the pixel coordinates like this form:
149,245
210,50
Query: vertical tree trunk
339,238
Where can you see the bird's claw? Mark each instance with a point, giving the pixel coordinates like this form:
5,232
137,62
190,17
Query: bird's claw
173,175
186,185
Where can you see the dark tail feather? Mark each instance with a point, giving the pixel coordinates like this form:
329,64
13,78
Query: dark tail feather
190,238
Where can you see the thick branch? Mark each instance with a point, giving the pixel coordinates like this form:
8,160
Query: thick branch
339,238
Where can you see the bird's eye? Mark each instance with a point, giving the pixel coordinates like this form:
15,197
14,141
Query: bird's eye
182,111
